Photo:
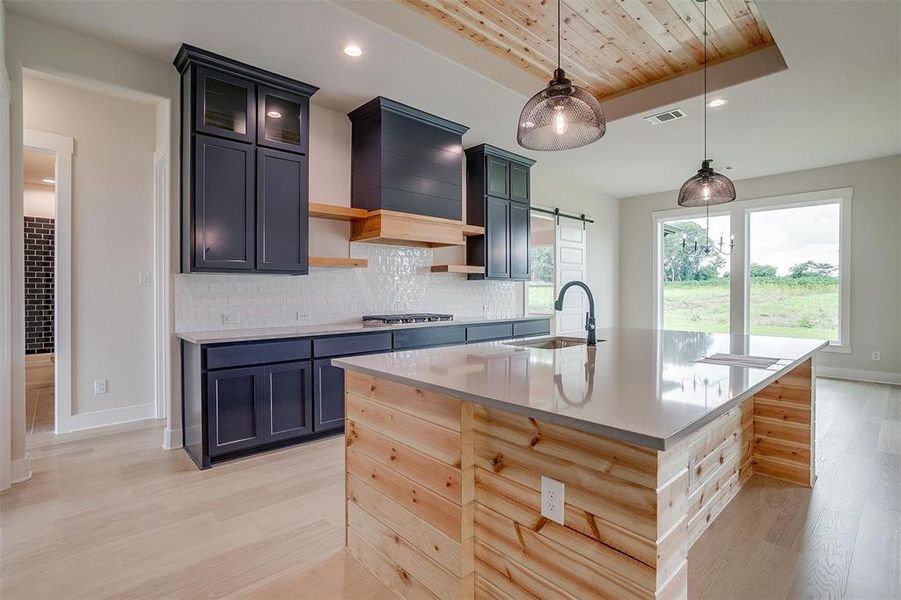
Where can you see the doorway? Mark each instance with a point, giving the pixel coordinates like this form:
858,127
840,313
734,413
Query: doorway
39,250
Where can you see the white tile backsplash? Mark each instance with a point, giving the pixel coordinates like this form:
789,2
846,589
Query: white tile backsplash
397,280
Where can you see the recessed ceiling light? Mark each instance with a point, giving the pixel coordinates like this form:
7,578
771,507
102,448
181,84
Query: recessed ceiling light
48,180
717,102
274,114
352,50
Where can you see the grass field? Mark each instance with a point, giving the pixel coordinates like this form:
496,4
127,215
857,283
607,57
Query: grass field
805,307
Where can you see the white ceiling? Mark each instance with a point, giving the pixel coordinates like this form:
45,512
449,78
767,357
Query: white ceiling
838,101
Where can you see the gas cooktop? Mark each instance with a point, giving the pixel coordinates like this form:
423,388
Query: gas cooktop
405,318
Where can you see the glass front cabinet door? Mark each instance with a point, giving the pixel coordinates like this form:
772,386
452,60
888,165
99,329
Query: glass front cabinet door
281,120
226,105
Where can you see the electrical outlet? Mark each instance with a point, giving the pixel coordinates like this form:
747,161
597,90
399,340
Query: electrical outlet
552,499
301,317
230,319
100,386
877,355
143,279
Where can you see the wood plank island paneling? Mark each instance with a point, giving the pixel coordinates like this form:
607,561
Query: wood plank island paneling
443,496
608,46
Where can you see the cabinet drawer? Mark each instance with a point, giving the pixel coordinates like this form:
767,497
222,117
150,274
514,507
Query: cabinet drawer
220,357
497,331
430,336
344,345
524,328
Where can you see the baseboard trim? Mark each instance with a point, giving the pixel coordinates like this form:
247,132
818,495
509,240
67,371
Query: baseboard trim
20,470
112,416
171,438
859,375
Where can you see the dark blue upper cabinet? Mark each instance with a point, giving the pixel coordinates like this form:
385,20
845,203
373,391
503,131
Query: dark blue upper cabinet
497,238
519,182
282,120
223,218
520,263
497,198
244,170
225,105
283,217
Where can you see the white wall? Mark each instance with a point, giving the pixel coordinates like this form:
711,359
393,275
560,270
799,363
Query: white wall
6,437
602,239
34,45
875,269
112,237
39,201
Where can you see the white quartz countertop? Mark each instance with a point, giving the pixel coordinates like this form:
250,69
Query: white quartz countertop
271,333
641,386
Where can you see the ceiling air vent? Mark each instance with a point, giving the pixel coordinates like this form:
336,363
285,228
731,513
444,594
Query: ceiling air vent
665,117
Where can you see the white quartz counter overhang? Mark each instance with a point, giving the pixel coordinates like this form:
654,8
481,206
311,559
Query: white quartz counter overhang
640,386
272,333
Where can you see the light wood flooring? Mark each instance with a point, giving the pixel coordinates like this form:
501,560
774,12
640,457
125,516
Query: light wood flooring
40,410
115,516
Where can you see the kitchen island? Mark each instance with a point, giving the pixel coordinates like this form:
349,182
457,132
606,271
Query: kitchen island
446,450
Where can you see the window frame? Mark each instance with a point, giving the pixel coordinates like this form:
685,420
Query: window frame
739,261
527,284
660,219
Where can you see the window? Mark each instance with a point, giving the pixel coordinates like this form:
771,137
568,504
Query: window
695,282
794,271
786,277
540,290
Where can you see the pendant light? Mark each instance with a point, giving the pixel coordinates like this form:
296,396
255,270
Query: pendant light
562,116
707,187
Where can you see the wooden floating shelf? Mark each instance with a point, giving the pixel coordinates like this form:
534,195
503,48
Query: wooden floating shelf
337,213
334,262
397,228
406,229
458,269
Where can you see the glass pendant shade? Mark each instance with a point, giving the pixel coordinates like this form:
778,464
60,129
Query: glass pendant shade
707,188
562,116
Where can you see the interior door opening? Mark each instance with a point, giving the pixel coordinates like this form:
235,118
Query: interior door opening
39,238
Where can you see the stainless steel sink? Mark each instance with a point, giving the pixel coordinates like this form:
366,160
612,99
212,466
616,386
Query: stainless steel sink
551,343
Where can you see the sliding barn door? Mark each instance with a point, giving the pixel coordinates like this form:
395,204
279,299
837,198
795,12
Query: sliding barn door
570,259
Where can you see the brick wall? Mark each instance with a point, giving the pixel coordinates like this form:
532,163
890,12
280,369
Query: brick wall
39,248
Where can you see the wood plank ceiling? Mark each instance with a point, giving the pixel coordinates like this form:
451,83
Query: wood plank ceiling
609,47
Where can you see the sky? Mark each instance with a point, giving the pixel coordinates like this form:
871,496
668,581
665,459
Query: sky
785,237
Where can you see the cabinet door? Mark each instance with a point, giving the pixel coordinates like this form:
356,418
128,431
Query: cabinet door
288,400
328,409
497,238
282,120
223,204
519,183
497,177
234,410
282,212
519,241
224,105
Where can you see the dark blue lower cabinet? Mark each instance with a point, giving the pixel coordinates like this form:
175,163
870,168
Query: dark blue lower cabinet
328,409
234,410
288,400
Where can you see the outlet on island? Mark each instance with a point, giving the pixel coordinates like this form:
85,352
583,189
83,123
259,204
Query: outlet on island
552,499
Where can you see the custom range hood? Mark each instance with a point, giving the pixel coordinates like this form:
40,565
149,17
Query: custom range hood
407,171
